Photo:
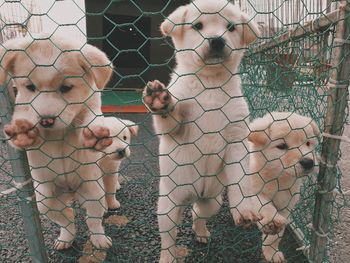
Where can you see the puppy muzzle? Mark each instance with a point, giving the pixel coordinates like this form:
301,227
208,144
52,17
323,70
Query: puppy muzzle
120,153
216,52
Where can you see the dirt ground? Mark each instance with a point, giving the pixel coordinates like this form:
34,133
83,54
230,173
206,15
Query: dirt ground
340,253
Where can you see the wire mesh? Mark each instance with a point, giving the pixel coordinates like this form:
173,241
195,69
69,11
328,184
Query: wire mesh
107,169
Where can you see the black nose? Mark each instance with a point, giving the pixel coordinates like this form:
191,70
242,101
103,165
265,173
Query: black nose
121,152
47,122
217,44
307,163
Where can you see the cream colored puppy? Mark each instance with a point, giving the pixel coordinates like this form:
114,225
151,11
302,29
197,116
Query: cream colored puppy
202,118
283,153
121,132
57,119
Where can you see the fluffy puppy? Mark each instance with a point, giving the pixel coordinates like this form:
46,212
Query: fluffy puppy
121,132
283,153
202,118
57,119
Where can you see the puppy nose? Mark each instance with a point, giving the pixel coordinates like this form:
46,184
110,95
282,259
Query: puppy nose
121,152
47,122
217,44
307,163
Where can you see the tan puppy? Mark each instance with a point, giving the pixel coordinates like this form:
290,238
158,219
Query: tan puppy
57,118
282,145
121,132
202,118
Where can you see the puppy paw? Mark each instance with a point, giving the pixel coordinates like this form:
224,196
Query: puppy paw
173,255
114,205
61,245
22,133
271,255
156,97
246,217
97,137
274,226
203,237
101,241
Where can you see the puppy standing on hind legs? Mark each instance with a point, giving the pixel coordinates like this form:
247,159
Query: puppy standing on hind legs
282,155
57,119
201,118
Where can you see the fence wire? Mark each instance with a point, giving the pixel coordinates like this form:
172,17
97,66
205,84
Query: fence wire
116,181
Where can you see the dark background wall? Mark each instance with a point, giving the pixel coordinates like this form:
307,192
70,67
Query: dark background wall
128,31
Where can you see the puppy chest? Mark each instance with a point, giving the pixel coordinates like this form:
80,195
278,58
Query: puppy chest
209,117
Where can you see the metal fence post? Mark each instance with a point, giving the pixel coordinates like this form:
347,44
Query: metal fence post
21,175
334,126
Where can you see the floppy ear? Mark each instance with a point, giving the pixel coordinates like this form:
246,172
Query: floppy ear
250,30
259,131
133,128
174,23
9,52
258,138
315,129
96,63
8,57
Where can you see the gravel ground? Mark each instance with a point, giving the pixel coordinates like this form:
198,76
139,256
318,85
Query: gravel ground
138,240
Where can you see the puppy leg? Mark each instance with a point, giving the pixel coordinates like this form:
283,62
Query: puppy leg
91,196
111,183
270,248
118,186
240,196
200,212
243,206
272,222
169,217
55,208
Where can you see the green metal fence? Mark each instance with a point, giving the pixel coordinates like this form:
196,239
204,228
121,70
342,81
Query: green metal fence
299,64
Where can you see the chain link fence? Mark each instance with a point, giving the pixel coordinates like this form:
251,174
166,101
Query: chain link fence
299,64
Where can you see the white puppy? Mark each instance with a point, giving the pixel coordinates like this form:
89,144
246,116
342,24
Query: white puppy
57,119
282,145
202,118
121,132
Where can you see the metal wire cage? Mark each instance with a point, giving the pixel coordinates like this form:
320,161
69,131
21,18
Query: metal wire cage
299,64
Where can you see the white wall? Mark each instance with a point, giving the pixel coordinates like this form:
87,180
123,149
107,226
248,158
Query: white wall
64,17
54,17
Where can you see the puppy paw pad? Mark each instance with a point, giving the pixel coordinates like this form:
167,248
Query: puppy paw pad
21,132
156,96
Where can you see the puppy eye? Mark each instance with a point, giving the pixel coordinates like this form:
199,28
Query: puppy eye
65,89
124,138
231,27
197,26
282,146
31,87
